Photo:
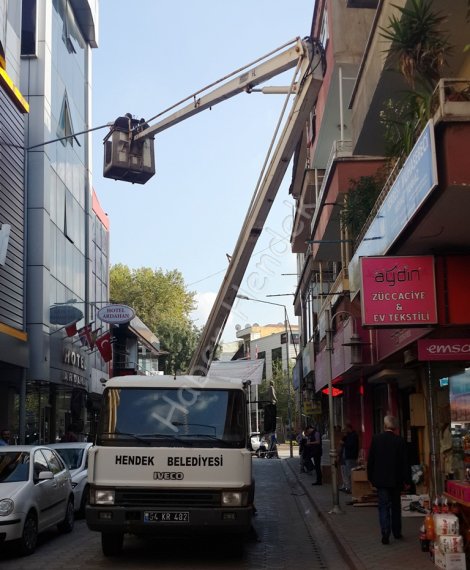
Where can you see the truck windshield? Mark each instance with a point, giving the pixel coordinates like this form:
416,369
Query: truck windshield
173,417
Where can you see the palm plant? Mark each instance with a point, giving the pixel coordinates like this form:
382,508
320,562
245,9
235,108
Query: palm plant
418,44
419,49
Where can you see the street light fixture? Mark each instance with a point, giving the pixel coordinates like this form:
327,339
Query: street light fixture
355,343
286,322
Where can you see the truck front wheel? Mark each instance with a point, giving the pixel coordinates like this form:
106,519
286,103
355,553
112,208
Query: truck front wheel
111,543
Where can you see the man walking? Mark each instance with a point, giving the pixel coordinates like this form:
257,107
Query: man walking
350,450
313,450
389,472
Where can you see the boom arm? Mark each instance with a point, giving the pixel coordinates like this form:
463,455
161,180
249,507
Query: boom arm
251,78
129,156
256,217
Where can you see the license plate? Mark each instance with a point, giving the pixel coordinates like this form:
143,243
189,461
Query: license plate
166,516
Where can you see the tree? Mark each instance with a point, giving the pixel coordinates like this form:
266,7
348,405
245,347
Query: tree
161,301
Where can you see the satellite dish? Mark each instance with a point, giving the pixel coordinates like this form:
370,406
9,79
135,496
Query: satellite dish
238,327
247,326
256,324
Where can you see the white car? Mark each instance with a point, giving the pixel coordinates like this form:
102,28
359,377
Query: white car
75,456
35,494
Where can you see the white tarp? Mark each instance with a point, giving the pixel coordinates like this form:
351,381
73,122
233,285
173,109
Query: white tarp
243,370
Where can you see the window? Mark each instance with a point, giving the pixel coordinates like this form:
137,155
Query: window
28,28
55,464
65,127
40,464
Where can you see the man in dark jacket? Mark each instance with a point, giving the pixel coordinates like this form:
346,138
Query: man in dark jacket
389,472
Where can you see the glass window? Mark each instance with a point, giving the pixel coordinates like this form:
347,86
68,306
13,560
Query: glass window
14,466
53,461
179,416
40,463
71,456
28,27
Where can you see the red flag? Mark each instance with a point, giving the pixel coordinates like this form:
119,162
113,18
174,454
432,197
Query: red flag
71,330
85,335
104,346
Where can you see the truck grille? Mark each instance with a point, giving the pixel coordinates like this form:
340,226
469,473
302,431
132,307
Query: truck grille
165,499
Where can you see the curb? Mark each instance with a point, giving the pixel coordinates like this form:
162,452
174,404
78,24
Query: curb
347,552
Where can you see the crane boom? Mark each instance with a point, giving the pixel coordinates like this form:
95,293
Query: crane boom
258,213
276,65
129,156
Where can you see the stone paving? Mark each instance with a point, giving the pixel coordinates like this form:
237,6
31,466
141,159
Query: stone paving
357,532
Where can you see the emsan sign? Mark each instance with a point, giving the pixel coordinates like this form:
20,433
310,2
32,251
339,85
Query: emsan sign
444,349
398,291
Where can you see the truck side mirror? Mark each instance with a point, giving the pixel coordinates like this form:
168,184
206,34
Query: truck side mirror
270,411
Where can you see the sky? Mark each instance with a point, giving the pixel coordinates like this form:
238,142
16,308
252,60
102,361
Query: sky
152,54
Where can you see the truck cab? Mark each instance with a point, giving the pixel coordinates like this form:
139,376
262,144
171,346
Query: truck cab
172,457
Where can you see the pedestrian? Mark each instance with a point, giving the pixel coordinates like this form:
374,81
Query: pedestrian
350,451
313,453
272,393
389,472
70,434
302,440
5,437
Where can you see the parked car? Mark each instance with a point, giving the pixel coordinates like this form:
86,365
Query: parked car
75,456
258,444
35,494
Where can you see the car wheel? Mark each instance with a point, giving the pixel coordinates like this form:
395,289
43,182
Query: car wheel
84,501
111,543
67,524
29,538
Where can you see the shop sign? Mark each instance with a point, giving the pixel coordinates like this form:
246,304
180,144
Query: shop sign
444,349
398,291
116,314
64,315
412,186
308,359
76,360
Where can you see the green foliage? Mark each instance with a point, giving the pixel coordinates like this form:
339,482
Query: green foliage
180,340
419,47
282,388
419,50
161,301
361,197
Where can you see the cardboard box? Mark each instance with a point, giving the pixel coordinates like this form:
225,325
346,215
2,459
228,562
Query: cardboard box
450,561
360,486
459,489
414,505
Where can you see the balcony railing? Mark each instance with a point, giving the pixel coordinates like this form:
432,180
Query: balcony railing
340,149
451,100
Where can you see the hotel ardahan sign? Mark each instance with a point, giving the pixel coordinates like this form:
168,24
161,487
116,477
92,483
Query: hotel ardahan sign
116,314
398,292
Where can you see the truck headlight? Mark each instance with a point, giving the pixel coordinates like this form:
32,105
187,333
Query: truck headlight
6,507
102,497
234,499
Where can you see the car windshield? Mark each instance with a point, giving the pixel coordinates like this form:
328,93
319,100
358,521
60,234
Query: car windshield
14,466
72,456
173,417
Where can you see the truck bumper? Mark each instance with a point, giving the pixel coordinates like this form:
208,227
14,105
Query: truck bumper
131,520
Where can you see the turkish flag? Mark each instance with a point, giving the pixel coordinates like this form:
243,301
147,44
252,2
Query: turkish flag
103,344
71,330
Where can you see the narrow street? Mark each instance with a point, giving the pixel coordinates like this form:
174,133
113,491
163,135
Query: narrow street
287,534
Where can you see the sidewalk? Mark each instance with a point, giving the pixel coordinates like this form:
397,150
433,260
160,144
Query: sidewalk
357,532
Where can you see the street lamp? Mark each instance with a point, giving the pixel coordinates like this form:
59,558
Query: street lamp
356,346
286,322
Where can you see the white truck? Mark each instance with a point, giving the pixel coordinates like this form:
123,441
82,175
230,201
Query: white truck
173,454
171,457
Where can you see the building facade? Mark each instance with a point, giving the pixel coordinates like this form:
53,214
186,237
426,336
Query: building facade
64,281
14,350
386,366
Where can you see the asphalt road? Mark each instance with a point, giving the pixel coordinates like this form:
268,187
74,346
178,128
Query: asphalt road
286,535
